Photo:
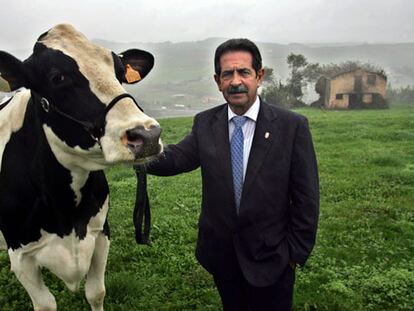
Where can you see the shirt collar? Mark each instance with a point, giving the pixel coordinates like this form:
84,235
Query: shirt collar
252,113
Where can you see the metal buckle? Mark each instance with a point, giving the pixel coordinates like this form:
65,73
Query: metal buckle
45,104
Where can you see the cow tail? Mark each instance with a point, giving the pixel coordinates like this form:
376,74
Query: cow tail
142,212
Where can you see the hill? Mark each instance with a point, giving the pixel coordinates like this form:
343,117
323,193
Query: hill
186,68
181,82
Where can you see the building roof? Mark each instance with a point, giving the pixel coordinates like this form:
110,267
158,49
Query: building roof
379,73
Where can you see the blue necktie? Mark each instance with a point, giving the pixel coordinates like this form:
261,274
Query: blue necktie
237,142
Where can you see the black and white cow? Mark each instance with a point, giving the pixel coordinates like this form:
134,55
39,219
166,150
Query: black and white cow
72,120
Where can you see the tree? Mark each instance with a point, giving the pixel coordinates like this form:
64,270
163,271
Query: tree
402,95
280,95
296,62
269,75
312,72
288,95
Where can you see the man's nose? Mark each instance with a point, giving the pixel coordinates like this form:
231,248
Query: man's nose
235,79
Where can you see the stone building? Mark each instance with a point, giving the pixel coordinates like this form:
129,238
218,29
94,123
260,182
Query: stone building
354,89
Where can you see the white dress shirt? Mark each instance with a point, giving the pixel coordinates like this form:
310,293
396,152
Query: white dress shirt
248,130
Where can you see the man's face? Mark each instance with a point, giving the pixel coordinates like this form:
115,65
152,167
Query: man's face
238,80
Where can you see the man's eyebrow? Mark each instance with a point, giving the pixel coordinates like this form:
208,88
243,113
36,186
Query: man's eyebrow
237,69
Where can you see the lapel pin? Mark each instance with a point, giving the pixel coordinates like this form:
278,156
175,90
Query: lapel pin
267,134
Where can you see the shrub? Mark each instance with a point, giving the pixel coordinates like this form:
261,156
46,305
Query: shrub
390,290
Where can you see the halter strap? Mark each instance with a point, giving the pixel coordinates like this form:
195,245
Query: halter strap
95,129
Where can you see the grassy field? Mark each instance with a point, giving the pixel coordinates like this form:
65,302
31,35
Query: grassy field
364,257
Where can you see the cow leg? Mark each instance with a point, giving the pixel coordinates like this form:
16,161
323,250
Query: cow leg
29,274
95,283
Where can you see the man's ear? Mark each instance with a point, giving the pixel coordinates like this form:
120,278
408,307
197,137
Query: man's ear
260,76
137,65
217,79
11,70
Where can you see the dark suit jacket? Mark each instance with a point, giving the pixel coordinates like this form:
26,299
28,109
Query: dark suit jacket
280,201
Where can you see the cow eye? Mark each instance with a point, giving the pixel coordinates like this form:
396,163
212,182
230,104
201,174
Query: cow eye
58,79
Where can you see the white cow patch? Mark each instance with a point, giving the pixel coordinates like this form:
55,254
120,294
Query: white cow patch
75,159
12,117
68,258
78,161
78,181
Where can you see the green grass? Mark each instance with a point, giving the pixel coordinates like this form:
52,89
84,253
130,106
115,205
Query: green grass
363,259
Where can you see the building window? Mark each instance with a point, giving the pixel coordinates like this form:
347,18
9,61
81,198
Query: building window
371,79
339,96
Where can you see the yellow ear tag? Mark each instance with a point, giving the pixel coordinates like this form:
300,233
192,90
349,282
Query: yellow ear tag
132,75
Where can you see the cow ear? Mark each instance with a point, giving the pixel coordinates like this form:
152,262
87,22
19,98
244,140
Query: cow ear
137,65
11,70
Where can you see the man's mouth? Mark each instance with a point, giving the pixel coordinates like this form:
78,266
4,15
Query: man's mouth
237,90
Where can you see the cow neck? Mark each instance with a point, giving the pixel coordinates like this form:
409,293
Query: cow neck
95,129
50,175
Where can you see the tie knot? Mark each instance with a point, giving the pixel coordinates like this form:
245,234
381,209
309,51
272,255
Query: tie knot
239,121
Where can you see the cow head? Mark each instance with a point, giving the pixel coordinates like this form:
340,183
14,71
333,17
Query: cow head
77,84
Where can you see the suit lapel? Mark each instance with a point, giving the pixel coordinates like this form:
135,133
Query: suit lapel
266,134
220,128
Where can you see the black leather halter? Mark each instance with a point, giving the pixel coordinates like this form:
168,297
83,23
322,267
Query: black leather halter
95,129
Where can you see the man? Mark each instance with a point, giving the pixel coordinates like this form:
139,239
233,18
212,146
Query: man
260,197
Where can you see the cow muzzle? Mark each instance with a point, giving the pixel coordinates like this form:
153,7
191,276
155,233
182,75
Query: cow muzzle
143,142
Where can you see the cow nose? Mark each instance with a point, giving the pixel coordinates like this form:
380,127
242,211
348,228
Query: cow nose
144,142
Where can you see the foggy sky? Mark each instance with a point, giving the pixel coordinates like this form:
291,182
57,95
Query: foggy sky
281,21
